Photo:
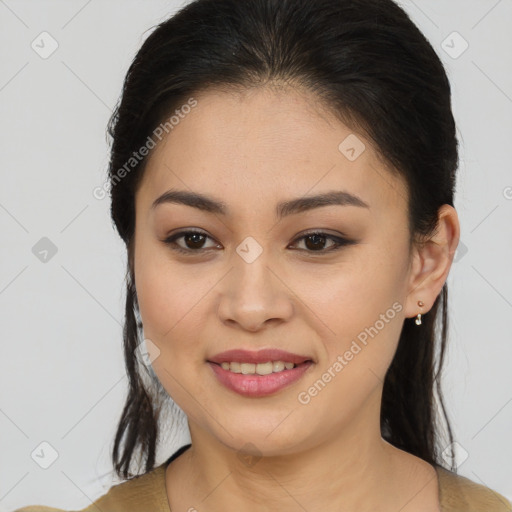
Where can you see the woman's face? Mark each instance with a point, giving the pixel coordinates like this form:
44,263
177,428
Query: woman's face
252,279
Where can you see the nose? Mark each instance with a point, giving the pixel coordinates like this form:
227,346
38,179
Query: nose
254,295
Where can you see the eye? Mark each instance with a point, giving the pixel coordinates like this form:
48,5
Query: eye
194,241
315,242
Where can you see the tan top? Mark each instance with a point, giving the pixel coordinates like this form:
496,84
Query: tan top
147,493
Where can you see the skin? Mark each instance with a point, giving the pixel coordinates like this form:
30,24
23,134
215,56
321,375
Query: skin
252,150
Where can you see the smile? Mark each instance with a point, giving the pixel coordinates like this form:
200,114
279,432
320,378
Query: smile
259,369
258,380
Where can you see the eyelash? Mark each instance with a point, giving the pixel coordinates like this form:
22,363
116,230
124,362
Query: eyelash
339,241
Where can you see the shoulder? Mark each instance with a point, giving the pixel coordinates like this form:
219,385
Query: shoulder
143,492
460,494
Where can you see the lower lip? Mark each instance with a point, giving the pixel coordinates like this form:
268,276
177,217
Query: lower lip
258,385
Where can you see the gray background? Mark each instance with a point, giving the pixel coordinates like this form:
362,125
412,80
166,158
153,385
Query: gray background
61,367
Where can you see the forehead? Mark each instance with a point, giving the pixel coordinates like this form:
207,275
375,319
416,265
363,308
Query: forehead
267,144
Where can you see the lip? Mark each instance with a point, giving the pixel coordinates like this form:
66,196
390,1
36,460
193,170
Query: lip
255,386
260,356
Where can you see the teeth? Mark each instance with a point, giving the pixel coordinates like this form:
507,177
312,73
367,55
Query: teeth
234,367
277,366
248,368
257,369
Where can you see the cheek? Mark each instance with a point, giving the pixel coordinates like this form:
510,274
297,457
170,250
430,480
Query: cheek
165,292
172,306
364,320
165,298
170,298
360,304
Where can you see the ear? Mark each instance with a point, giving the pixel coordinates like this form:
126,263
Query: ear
432,260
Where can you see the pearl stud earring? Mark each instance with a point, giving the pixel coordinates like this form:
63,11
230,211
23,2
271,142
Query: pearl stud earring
418,317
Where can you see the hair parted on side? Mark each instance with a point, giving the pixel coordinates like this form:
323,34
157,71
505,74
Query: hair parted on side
373,69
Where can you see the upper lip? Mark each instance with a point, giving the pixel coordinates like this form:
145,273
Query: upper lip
260,356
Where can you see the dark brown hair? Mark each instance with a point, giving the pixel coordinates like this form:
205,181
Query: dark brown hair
371,66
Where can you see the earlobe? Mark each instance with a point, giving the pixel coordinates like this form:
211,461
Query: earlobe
432,262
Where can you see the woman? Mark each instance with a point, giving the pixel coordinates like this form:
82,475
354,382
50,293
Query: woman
282,174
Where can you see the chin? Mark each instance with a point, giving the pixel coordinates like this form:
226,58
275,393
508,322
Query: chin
262,442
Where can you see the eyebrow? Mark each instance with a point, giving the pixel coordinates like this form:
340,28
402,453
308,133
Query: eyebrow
283,209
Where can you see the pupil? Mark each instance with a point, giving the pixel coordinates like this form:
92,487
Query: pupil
318,241
194,237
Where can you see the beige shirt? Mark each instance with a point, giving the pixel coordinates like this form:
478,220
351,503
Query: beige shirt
147,493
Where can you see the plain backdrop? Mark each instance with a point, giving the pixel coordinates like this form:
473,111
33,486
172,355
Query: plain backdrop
61,368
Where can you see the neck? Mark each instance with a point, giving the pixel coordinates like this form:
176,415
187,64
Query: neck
353,468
